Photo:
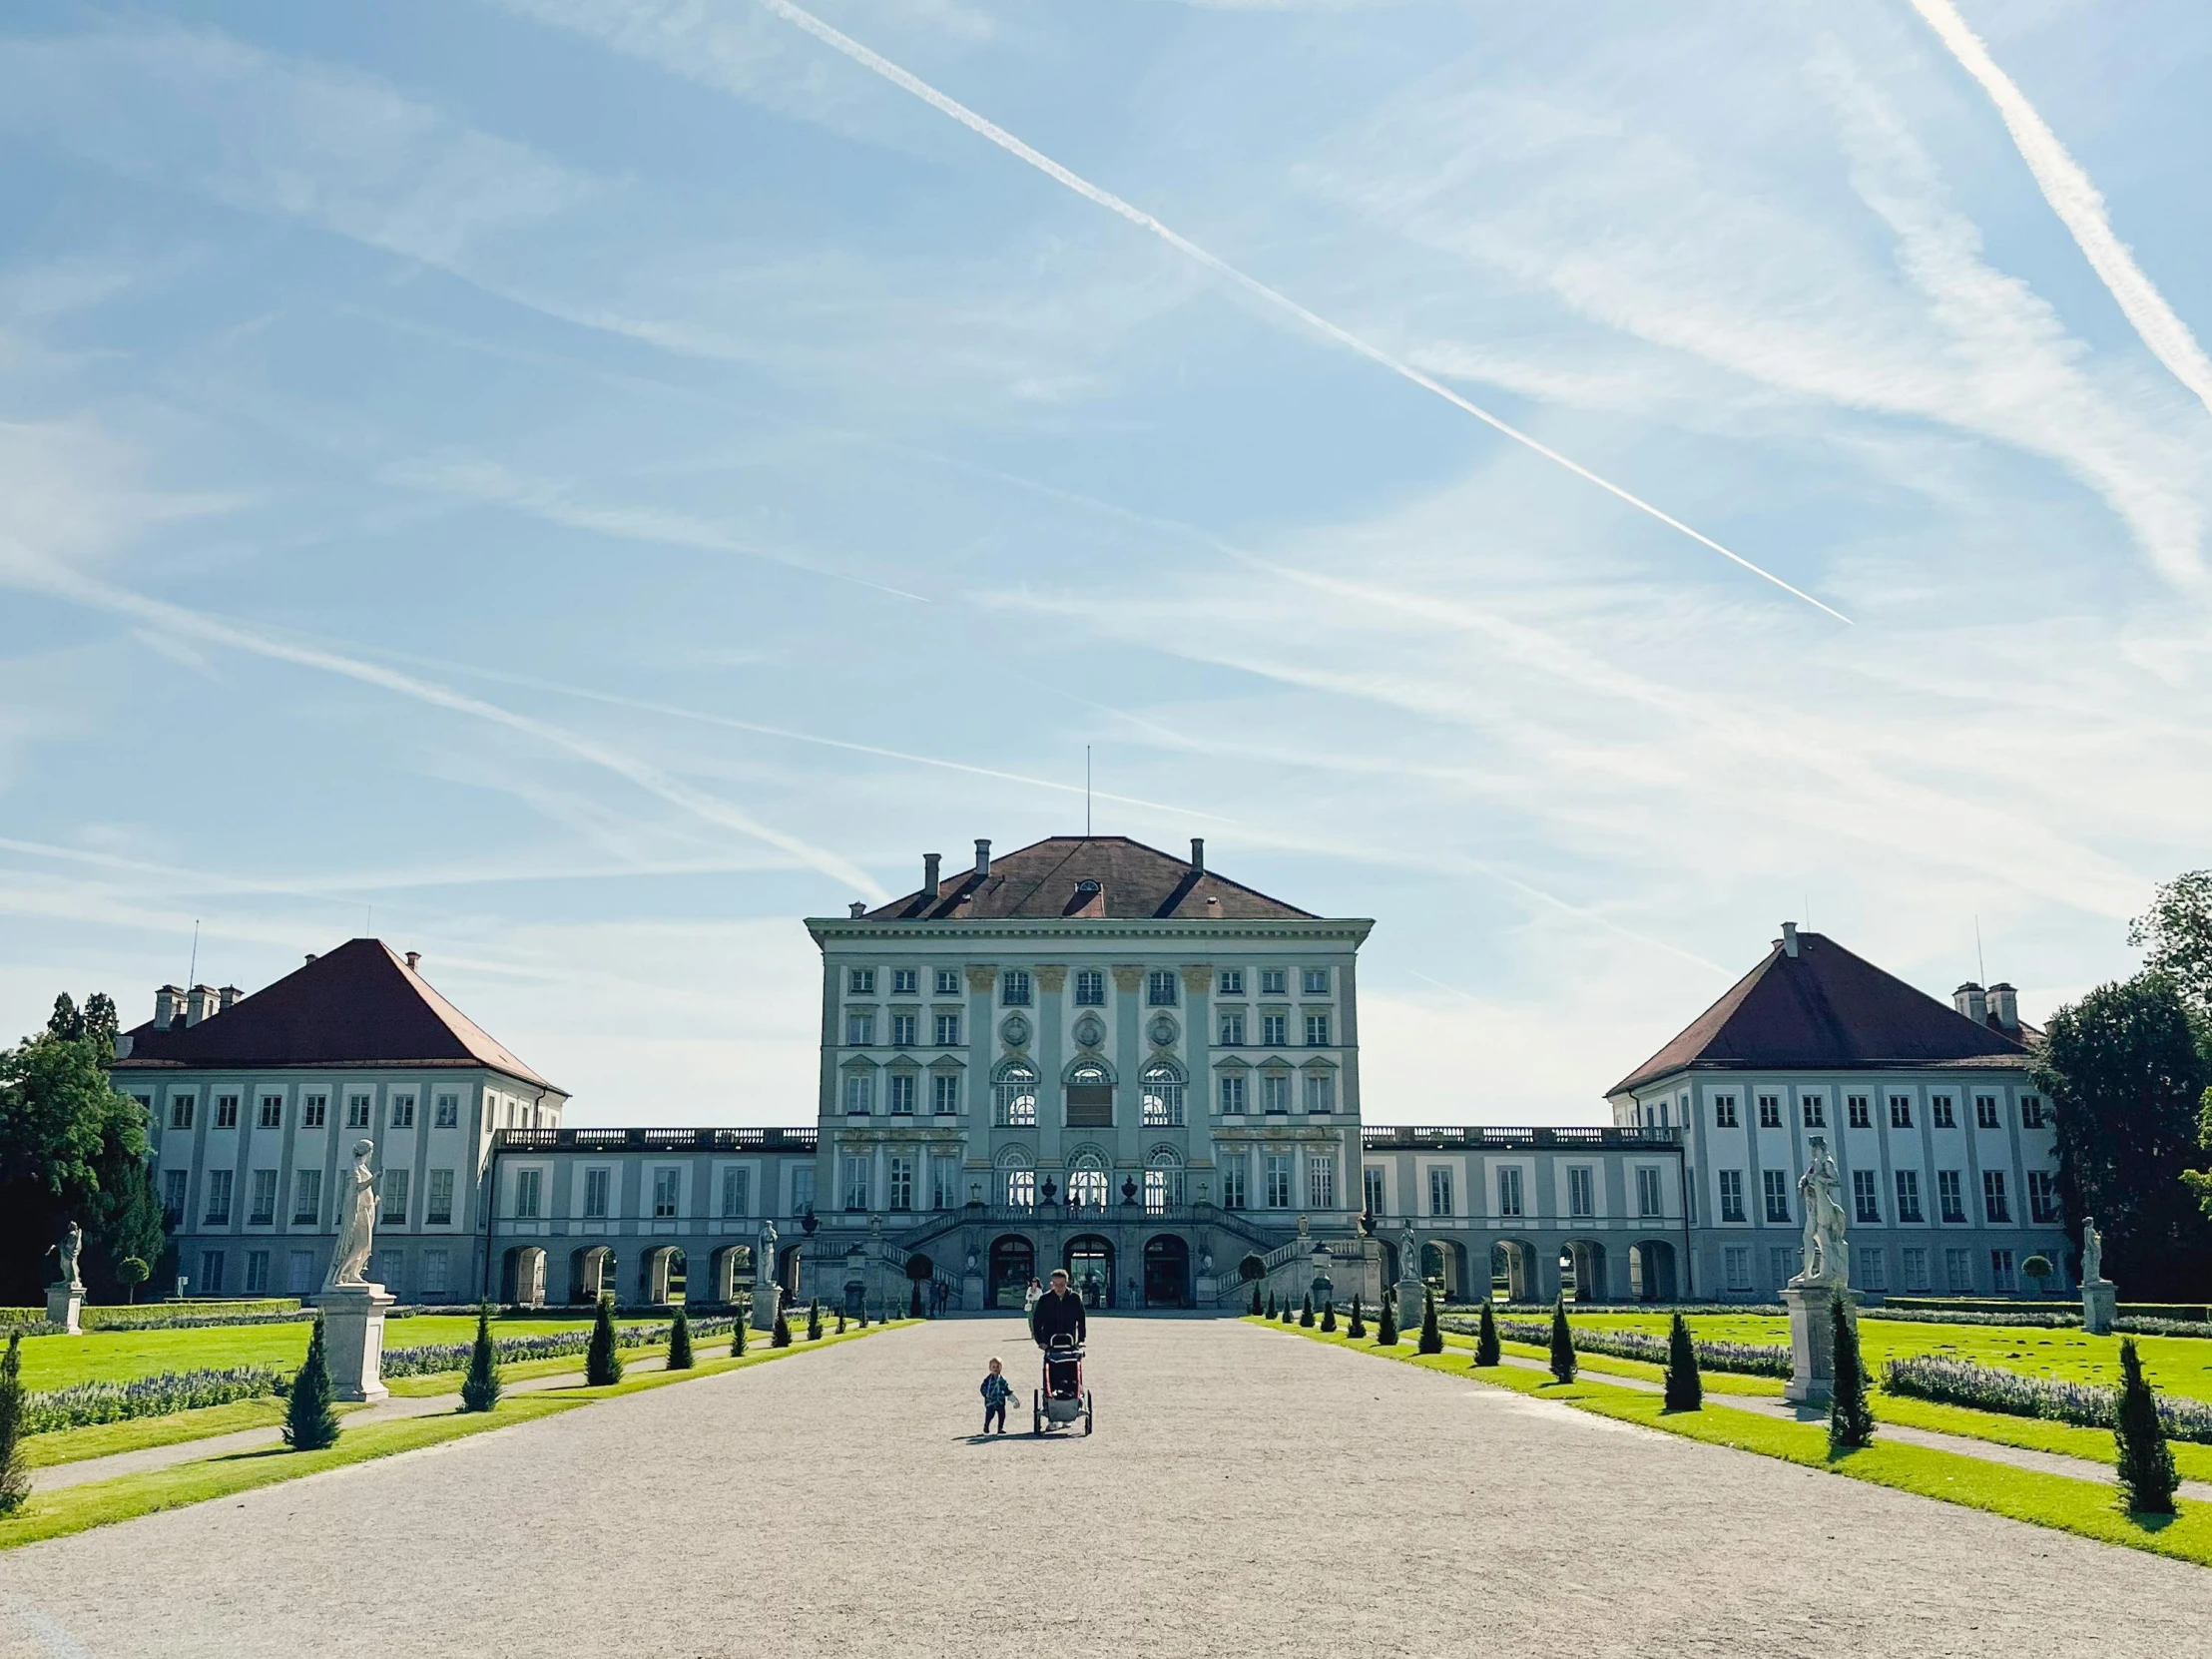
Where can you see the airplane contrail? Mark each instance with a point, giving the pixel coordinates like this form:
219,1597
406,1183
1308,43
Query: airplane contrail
1183,245
2078,204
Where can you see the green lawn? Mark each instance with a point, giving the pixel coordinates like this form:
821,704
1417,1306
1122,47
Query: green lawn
119,1356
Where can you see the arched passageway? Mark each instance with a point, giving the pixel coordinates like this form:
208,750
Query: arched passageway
1167,1271
1089,1259
1651,1270
1013,1264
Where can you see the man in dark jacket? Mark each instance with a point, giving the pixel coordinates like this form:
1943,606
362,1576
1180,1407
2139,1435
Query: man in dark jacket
1059,1313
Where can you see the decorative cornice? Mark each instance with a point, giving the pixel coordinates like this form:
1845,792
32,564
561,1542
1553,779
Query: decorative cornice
1351,931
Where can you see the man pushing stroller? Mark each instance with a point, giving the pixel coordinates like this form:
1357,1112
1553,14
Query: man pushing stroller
1058,1312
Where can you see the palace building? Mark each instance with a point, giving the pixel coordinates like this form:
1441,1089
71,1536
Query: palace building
1093,1054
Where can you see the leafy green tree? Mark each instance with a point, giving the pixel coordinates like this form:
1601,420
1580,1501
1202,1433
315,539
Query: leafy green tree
309,1421
2147,1474
1431,1338
1305,1310
1486,1351
603,1357
1358,1326
1563,1364
1329,1315
1385,1328
480,1388
2175,934
131,1272
1685,1386
679,1341
1849,1415
2126,1079
15,1474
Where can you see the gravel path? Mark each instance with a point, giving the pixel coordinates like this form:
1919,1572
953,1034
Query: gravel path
1248,1492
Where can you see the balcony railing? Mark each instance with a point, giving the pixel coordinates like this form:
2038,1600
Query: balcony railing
1456,1136
655,1140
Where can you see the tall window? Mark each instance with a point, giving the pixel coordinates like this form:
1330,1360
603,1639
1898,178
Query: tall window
357,1111
1014,990
226,1111
1372,1183
1913,1258
180,1111
395,1197
948,1032
306,1196
1090,988
1233,1091
1509,1198
1866,1196
1995,1205
2042,1197
1776,1184
1232,982
1874,1268
859,1092
1909,1197
1958,1270
173,1197
736,1190
528,1191
1581,1190
1278,1179
598,1183
945,1182
1950,1196
448,1112
1724,1114
905,981
438,1211
944,1093
1986,1111
1021,1189
665,1184
218,1198
314,1109
1732,1195
1014,1098
949,982
1439,1190
260,1209
1320,1181
2000,1272
855,1182
1314,981
1090,1098
904,1085
1736,1264
1316,1030
273,1111
1162,1088
1159,989
1235,1194
904,1024
1274,1030
210,1272
1858,1112
1814,1109
1770,1111
1275,1091
859,1027
900,1194
1901,1111
1648,1198
1232,1028
402,1111
1940,1110
1320,1091
2032,1111
1087,1186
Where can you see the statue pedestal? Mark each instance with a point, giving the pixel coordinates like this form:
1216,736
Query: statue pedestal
768,1302
2100,1299
64,1303
1409,1308
354,1341
1812,1342
971,1293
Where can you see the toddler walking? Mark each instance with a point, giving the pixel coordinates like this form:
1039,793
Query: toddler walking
996,1392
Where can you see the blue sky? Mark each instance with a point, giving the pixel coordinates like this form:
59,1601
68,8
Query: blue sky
572,486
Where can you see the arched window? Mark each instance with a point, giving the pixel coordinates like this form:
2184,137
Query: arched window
1163,1182
1014,1098
1021,1189
1090,1097
1087,1183
1162,1087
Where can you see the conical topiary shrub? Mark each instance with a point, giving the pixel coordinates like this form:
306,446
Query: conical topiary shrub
1850,1417
1562,1343
1254,1307
2147,1476
737,1336
1431,1338
480,1388
15,1476
781,1337
840,1317
1329,1315
1485,1336
310,1422
1684,1388
1270,1305
679,1341
1358,1326
1385,1328
813,1320
914,1300
1305,1310
602,1360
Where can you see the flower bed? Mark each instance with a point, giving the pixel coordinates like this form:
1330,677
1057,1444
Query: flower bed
1751,1359
2162,1327
158,1315
2032,1318
84,1403
432,1357
1989,1388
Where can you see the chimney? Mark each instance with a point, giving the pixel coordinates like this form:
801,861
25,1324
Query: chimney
1789,939
1198,853
413,957
165,1007
858,908
199,1004
1213,907
1972,1001
226,996
982,858
929,864
2004,1008
310,955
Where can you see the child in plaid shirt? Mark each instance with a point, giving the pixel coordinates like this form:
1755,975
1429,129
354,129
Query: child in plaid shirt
996,1392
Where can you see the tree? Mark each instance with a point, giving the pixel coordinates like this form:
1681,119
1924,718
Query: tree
1305,1310
1385,1328
1564,1363
737,1336
1358,1326
914,1299
15,1474
1485,1336
310,1422
480,1388
679,1341
813,1320
1329,1315
131,1272
603,1359
781,1337
2038,1269
2147,1476
1270,1305
2175,934
1254,1307
1431,1338
1684,1387
1849,1415
2126,1079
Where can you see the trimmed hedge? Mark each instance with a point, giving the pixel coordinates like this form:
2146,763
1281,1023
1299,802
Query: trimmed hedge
432,1357
159,1316
1990,1388
2164,1328
1752,1358
2029,1319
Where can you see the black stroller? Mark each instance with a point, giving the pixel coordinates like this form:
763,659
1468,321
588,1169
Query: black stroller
1063,1397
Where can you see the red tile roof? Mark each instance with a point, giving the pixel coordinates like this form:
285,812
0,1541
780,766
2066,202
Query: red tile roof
1045,879
359,1006
1825,1009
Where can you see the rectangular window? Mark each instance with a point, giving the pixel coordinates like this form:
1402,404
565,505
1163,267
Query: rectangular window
357,1111
859,1092
803,1190
902,1088
860,1028
314,1110
1916,1267
856,1183
1316,1030
1950,1196
1232,1028
1865,1195
1014,1100
1648,1200
1736,1265
1723,1116
1508,1189
1770,1111
1996,1207
226,1111
2032,1111
448,1112
300,1273
1860,1111
1014,990
1784,1261
1279,1181
1320,1181
273,1111
1320,1091
1090,988
1958,1270
210,1272
945,1182
2000,1272
433,1274
1901,1111
1233,1091
944,1093
1581,1192
666,1183
1732,1195
402,1111
1813,1109
260,1207
1162,1094
529,1192
394,1194
899,1187
948,1032
1232,982
1274,982
1159,989
2042,1197
1874,1268
1909,1196
438,1212
1939,1112
257,1273
1275,1091
1314,981
306,1196
905,981
180,1111
1371,1182
1274,1030
173,1197
598,1186
1986,1111
947,982
860,982
218,1198
1234,1195
1439,1190
1021,1189
1777,1185
906,1024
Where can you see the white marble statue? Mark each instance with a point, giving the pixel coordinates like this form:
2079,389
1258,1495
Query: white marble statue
2092,1252
357,1226
71,1251
1304,1226
1408,1257
1827,1252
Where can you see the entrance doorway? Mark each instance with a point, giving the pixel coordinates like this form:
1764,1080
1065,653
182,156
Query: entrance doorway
1090,1264
1651,1270
1013,1264
1167,1271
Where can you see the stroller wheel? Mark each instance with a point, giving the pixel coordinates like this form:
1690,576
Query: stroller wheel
1036,1413
1086,1414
